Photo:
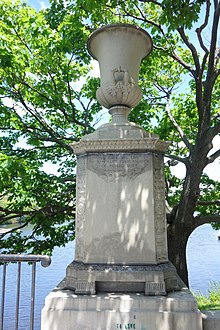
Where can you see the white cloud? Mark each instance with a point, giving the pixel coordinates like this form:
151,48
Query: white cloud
212,170
44,5
95,69
179,170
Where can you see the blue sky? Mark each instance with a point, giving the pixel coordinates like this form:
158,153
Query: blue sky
38,4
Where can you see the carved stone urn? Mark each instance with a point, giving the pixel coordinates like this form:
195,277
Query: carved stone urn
119,49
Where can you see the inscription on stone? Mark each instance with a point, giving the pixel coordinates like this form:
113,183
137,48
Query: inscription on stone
112,166
126,326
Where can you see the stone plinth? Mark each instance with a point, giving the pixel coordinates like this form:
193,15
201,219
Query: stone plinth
147,279
65,310
211,319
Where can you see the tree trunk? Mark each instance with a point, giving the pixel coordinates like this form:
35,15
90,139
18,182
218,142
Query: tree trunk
177,240
182,221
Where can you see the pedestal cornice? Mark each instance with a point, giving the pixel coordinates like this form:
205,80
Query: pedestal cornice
135,145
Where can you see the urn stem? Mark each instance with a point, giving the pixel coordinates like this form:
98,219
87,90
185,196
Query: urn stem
119,114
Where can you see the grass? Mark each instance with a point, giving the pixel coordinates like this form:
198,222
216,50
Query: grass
210,301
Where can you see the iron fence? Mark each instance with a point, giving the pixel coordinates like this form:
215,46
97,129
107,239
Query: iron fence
5,259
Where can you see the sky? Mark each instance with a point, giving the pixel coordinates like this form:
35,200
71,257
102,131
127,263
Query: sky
38,4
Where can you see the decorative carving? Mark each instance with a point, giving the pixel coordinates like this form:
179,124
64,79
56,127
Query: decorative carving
146,144
159,211
121,48
112,166
156,279
81,205
121,89
121,83
155,288
83,287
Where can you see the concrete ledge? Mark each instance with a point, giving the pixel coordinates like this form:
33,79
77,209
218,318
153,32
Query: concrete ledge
211,320
65,310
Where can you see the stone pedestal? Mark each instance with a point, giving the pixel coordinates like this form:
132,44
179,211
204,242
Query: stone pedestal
121,242
65,310
121,257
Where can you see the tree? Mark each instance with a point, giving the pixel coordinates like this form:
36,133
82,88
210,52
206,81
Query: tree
180,81
41,114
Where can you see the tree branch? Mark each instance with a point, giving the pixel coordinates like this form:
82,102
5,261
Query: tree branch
214,38
177,58
15,228
202,219
22,41
213,157
191,47
53,135
178,158
51,101
212,74
203,26
183,63
197,74
149,21
152,1
179,129
213,131
207,203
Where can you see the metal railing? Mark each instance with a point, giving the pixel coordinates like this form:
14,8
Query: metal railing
19,259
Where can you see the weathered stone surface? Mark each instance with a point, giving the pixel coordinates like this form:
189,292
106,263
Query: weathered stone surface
120,209
148,279
65,310
115,145
211,320
119,48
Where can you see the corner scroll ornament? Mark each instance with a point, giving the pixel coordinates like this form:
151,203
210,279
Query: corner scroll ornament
120,90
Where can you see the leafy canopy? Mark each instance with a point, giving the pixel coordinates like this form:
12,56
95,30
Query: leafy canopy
43,61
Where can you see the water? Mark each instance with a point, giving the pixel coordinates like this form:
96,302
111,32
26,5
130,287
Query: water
203,254
46,280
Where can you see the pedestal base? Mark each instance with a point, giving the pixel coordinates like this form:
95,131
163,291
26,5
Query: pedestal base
148,279
66,311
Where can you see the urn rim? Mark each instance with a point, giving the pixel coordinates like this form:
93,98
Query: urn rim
118,25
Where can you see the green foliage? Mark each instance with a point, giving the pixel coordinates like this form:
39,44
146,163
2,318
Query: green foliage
47,102
212,300
209,191
40,116
181,12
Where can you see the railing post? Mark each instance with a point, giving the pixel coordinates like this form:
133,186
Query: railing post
3,295
32,295
18,295
19,258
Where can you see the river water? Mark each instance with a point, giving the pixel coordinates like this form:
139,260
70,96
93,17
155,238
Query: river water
203,254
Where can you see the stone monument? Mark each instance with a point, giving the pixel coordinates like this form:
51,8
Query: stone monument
121,277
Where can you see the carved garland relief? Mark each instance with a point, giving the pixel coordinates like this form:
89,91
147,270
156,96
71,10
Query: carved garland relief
120,89
81,206
159,211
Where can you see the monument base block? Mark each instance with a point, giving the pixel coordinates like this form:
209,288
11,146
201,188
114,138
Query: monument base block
65,310
148,279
